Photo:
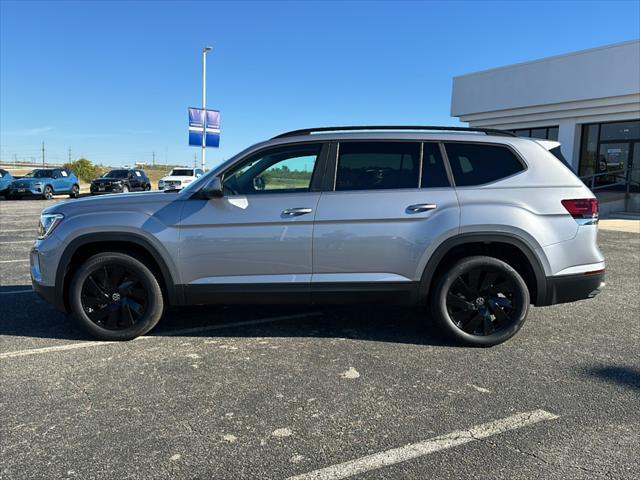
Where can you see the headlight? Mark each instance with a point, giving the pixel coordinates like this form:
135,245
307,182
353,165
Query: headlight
48,222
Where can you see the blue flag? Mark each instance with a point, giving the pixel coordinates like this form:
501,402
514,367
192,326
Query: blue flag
196,119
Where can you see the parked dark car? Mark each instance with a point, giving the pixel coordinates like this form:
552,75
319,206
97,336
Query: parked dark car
5,180
45,183
121,181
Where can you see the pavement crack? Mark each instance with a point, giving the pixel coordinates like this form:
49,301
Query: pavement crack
83,392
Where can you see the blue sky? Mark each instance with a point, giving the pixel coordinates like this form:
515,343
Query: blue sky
113,80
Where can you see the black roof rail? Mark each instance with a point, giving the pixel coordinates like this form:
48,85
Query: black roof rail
309,131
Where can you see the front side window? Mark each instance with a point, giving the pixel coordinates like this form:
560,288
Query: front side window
378,165
279,170
476,164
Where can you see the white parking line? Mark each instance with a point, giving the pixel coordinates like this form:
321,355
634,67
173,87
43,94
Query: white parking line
184,331
14,261
20,230
415,450
18,241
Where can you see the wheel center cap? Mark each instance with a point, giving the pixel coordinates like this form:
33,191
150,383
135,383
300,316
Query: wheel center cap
480,301
115,297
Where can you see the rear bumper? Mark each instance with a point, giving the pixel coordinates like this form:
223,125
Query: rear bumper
570,288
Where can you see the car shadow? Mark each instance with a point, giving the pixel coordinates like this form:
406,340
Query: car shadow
24,314
624,376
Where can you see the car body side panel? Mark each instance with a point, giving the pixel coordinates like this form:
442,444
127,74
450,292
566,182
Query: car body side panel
247,236
359,233
152,219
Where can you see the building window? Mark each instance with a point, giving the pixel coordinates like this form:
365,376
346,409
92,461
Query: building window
608,150
544,133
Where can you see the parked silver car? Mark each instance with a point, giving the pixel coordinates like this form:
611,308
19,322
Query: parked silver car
476,224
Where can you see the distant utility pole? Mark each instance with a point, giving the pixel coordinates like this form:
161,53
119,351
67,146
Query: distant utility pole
69,154
153,161
42,154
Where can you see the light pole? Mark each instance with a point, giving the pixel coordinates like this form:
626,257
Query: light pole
205,50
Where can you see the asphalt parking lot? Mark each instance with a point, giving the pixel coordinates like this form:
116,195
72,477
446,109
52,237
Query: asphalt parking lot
318,393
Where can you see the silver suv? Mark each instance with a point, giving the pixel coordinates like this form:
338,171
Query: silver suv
475,224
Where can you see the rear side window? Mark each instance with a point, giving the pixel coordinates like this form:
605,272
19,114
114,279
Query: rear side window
475,164
378,165
434,174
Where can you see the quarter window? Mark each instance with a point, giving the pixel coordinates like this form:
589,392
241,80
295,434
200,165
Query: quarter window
378,165
286,169
475,164
434,174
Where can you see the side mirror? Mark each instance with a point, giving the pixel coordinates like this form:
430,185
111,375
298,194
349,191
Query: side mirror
213,189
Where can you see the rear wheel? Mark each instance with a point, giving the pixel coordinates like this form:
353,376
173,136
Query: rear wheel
113,296
125,188
147,188
47,193
75,192
481,301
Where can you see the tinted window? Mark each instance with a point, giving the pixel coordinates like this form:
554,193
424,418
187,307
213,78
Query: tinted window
433,172
117,174
182,172
377,165
284,169
475,164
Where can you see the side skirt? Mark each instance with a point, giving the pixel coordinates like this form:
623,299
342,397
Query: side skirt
394,293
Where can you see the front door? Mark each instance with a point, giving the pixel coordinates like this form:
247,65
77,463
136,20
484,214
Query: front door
257,239
391,201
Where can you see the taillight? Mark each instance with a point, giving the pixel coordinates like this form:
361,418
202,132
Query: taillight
584,210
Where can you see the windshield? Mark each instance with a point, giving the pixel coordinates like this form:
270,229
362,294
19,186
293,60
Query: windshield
116,174
39,174
181,172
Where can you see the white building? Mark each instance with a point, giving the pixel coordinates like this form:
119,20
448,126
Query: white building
588,100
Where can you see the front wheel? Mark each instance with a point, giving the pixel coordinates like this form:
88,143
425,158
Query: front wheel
125,189
47,194
113,296
481,301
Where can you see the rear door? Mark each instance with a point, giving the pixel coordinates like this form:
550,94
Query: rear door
257,239
390,204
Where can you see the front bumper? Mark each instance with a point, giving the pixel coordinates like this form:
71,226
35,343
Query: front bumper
571,288
48,293
107,189
25,192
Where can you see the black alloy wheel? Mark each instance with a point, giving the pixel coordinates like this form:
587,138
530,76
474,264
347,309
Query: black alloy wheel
75,191
481,301
114,296
47,194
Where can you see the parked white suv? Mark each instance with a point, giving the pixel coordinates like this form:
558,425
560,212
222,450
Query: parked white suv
179,178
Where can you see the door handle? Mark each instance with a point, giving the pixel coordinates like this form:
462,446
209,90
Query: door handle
295,212
421,207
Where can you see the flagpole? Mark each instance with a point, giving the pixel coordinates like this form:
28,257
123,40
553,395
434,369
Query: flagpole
204,107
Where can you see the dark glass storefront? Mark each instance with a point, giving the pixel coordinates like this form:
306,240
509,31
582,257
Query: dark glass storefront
612,150
545,133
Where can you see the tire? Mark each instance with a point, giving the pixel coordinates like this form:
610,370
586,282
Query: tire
125,189
75,192
47,193
133,302
480,302
147,188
